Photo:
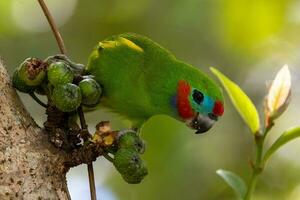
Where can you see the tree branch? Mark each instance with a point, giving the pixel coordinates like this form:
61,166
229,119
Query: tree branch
30,166
84,155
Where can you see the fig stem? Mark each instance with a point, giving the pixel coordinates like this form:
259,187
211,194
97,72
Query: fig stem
62,49
38,100
110,159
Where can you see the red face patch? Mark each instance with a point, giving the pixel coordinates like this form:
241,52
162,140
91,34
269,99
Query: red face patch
183,105
218,108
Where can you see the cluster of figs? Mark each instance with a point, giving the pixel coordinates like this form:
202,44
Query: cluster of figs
67,87
59,79
127,160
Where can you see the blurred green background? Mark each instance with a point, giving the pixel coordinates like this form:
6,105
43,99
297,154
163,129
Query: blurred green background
248,40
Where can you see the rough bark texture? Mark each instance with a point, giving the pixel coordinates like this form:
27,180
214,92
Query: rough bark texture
30,166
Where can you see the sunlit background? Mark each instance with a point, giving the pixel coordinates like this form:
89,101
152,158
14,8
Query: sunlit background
247,40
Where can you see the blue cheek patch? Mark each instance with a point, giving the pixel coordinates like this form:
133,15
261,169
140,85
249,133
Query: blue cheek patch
208,104
174,101
205,107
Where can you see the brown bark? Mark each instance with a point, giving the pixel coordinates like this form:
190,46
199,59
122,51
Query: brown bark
30,166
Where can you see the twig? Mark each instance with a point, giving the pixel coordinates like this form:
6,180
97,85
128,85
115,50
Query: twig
92,183
62,48
53,26
86,135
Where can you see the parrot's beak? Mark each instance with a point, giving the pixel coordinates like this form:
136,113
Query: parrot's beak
202,123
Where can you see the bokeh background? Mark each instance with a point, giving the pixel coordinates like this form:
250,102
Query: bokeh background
247,40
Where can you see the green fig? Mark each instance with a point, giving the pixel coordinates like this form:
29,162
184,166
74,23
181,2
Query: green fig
76,67
20,85
91,92
137,177
32,71
132,140
59,73
130,165
66,97
88,76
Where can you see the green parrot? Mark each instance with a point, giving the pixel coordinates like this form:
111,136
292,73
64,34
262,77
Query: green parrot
141,79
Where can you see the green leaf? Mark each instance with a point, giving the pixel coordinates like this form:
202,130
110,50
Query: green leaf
240,101
234,181
286,137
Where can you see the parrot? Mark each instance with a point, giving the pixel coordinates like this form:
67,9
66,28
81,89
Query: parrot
140,79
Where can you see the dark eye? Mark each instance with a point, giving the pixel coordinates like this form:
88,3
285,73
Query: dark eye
198,96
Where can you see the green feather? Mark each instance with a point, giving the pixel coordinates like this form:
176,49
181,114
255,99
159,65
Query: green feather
140,78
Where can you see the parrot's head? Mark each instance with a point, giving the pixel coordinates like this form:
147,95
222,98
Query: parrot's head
200,107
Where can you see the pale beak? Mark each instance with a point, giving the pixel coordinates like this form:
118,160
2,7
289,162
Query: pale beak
202,123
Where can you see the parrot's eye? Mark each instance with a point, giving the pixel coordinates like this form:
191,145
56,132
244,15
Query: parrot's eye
198,96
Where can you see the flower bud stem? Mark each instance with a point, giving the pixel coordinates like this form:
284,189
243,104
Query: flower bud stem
258,166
